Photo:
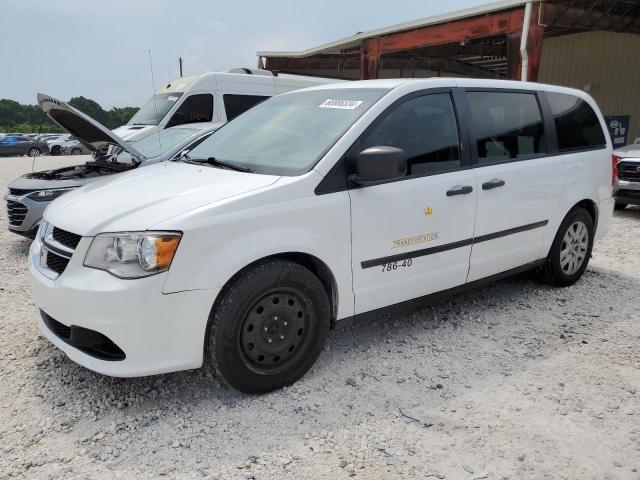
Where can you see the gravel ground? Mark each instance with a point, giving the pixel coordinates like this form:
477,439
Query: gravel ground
515,380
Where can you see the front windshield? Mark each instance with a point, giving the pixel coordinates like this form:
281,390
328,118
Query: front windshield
160,143
155,109
288,134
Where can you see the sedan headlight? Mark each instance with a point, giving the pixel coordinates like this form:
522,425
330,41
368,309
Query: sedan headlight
48,195
133,254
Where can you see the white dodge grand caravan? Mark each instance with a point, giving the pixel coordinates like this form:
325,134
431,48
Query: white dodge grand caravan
314,206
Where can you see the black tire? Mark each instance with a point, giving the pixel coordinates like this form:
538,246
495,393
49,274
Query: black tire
620,206
553,271
268,327
76,151
34,152
55,150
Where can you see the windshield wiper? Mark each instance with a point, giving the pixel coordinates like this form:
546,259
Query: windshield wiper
214,162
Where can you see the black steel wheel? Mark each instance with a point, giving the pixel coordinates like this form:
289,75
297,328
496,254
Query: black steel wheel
268,326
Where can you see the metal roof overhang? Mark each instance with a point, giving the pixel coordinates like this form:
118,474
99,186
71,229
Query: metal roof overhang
479,42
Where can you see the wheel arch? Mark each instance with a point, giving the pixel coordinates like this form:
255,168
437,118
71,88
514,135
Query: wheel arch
317,266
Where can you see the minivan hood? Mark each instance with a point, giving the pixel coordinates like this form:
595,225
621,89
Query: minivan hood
142,198
92,134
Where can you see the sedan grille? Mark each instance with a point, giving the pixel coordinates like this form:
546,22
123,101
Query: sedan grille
16,212
629,172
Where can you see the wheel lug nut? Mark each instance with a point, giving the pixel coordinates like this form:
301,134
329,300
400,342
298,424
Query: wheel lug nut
275,317
266,329
285,323
281,337
269,340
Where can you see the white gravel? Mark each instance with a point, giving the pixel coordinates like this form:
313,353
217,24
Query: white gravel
516,380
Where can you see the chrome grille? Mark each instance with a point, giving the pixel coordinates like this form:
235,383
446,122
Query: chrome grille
57,249
16,213
629,172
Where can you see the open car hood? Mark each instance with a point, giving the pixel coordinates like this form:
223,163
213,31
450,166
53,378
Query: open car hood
90,133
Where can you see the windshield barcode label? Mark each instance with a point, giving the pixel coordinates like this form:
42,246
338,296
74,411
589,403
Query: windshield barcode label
340,104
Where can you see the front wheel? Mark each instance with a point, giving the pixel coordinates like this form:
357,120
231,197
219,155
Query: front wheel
34,152
76,151
268,327
571,249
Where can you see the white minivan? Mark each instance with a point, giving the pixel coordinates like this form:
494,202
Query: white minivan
210,97
315,206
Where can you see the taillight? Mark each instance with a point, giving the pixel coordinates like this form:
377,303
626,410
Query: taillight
614,170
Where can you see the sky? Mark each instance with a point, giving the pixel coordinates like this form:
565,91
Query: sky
99,48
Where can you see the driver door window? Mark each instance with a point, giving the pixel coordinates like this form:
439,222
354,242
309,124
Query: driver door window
425,128
194,109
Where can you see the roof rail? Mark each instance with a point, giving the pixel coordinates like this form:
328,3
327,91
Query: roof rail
249,71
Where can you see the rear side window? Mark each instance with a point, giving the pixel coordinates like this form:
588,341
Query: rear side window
426,129
506,125
577,124
236,105
194,109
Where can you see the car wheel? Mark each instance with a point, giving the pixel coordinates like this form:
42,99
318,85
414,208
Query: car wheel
34,152
55,150
571,249
620,206
268,327
76,151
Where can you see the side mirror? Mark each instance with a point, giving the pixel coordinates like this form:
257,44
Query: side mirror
378,164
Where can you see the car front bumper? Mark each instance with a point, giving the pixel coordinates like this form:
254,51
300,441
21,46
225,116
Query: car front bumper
157,332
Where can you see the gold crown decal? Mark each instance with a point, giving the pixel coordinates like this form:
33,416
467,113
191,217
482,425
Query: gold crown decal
428,211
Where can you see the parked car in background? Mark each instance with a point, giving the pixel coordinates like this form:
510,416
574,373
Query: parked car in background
316,206
28,196
16,145
627,176
54,146
210,97
74,147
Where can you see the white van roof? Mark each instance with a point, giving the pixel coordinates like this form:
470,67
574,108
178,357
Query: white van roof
181,84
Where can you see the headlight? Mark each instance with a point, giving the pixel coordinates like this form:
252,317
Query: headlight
133,254
48,195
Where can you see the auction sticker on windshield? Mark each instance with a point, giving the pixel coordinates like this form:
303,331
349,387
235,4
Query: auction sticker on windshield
341,104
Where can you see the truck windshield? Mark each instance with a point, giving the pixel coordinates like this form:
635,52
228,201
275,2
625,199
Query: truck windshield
288,134
155,109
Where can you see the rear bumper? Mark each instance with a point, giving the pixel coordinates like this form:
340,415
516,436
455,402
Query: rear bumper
85,311
605,214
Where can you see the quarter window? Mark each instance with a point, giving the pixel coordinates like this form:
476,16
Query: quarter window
236,105
425,128
507,126
194,109
577,124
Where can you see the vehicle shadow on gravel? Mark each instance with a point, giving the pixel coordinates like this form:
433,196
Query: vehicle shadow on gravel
20,247
69,383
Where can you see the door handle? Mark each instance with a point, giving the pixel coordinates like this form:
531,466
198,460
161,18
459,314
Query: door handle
495,183
459,190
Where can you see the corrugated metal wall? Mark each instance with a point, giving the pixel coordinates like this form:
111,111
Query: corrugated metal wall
606,64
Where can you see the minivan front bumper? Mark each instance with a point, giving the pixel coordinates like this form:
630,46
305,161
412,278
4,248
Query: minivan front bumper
87,312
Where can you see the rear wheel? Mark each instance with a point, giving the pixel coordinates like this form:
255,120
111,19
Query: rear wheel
268,327
34,152
55,150
571,249
76,151
620,206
